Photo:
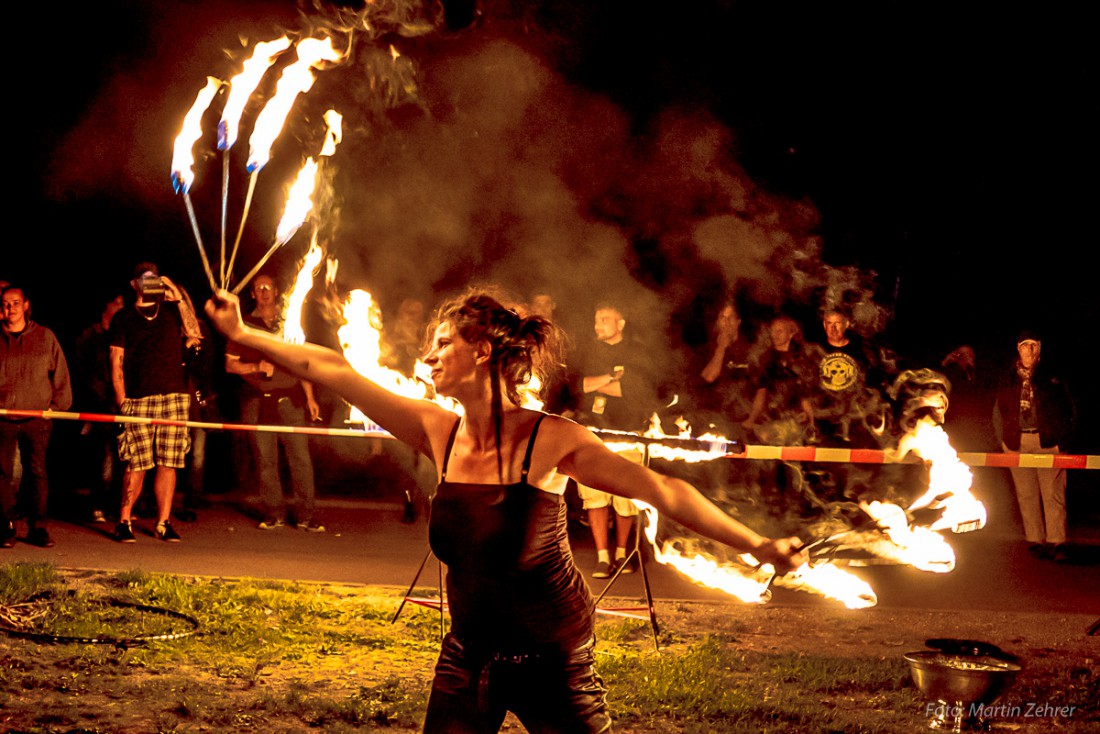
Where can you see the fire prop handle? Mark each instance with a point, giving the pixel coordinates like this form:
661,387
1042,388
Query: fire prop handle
732,449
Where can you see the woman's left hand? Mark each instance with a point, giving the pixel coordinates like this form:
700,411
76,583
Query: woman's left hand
224,311
786,554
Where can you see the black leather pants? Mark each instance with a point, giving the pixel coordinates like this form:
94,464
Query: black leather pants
550,693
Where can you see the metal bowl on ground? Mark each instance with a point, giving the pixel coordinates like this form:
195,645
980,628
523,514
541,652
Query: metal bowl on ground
961,684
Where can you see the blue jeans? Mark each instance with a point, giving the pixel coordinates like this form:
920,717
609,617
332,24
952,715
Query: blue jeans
265,456
32,437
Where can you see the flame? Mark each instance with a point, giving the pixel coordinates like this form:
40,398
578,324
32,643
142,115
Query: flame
334,134
684,426
711,447
297,79
949,479
902,539
748,585
916,546
708,447
831,582
183,157
242,86
296,297
749,581
299,202
361,341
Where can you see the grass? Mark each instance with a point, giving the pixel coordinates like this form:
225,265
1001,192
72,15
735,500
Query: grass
292,657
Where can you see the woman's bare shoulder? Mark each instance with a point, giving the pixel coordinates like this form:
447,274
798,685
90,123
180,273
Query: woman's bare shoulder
564,432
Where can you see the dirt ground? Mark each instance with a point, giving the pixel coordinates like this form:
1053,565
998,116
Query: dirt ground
1050,647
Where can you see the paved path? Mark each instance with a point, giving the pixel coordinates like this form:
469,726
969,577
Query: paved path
368,544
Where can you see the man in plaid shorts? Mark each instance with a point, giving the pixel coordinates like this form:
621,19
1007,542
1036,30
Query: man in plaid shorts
147,372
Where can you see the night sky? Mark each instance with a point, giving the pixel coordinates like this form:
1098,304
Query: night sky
941,159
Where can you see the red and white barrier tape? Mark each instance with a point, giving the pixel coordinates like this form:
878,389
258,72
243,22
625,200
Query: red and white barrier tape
371,431
876,456
754,452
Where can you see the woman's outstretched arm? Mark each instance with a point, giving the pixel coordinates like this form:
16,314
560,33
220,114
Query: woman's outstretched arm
588,461
409,420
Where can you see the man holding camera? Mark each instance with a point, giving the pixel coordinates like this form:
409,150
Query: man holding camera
148,341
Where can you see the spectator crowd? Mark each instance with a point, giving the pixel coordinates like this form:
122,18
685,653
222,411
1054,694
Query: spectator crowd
149,354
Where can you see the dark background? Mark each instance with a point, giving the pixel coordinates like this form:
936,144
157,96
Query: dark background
949,153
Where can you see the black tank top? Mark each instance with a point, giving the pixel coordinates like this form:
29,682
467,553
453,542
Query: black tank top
511,581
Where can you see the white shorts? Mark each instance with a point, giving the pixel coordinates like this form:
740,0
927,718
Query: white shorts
594,499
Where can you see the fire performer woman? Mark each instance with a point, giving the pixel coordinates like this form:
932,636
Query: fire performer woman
522,633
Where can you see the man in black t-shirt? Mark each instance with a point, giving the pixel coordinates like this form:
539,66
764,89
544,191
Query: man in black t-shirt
148,339
618,394
845,371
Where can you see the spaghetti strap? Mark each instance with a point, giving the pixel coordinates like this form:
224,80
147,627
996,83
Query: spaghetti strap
447,451
530,449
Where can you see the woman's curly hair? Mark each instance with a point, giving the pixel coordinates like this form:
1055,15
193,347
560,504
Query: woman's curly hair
521,347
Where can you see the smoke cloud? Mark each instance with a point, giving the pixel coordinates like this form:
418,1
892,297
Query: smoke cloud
466,158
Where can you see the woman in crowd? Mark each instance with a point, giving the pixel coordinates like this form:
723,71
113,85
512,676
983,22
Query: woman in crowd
522,635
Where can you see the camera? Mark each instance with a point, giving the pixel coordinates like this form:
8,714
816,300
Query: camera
152,288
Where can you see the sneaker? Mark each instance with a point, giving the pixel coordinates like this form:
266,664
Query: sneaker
124,532
270,524
311,527
1060,553
7,535
603,570
630,567
98,516
167,533
40,537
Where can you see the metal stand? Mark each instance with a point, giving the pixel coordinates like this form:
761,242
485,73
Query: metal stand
416,578
637,553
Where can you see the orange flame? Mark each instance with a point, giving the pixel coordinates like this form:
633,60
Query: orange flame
831,582
299,202
749,582
297,79
744,583
183,157
710,446
949,479
361,341
243,85
919,547
334,134
296,297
